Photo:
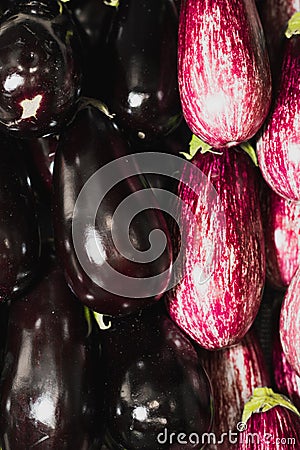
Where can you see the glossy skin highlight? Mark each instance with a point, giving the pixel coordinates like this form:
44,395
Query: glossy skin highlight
224,73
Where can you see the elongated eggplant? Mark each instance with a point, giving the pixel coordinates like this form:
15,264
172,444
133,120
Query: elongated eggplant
224,73
40,67
95,266
142,88
278,145
155,388
51,383
271,422
219,295
282,237
19,229
286,379
234,373
290,323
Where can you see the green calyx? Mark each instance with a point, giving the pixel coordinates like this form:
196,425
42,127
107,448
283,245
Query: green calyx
247,147
196,145
293,27
100,321
264,399
85,101
87,315
114,3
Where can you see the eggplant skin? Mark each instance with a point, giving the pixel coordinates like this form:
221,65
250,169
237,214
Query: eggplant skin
227,246
223,68
154,384
88,144
20,242
51,384
142,89
234,373
276,429
290,323
282,238
286,379
278,144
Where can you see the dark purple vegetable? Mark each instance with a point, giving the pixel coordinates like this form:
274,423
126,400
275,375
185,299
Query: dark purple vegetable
278,146
154,385
217,300
40,68
19,229
282,238
224,73
290,323
88,144
286,380
142,85
51,383
271,423
234,373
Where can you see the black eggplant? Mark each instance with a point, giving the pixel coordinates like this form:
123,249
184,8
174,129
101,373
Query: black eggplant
97,272
51,386
19,229
142,87
40,76
157,394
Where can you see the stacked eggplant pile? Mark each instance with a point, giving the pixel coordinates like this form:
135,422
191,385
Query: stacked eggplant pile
87,361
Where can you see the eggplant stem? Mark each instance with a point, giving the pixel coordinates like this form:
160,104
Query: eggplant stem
293,27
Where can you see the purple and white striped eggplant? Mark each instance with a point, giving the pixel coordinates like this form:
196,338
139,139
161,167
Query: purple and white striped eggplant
278,146
290,323
223,69
286,379
217,299
270,422
282,237
234,373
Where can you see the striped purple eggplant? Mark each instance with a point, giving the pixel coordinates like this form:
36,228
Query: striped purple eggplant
282,237
278,145
219,296
270,422
290,323
234,372
224,72
286,380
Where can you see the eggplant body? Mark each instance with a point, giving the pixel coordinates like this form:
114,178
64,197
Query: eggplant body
50,385
91,142
278,145
223,69
218,297
155,384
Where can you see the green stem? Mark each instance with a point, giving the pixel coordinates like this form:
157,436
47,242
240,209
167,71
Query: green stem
264,399
114,3
293,27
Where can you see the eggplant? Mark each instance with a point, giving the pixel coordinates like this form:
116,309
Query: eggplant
234,373
270,421
51,383
154,385
290,323
40,68
223,69
219,294
20,245
142,88
282,238
108,280
278,143
286,379
274,15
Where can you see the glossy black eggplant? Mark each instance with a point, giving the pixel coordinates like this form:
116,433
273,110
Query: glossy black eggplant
154,385
51,387
97,271
142,87
19,229
40,77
